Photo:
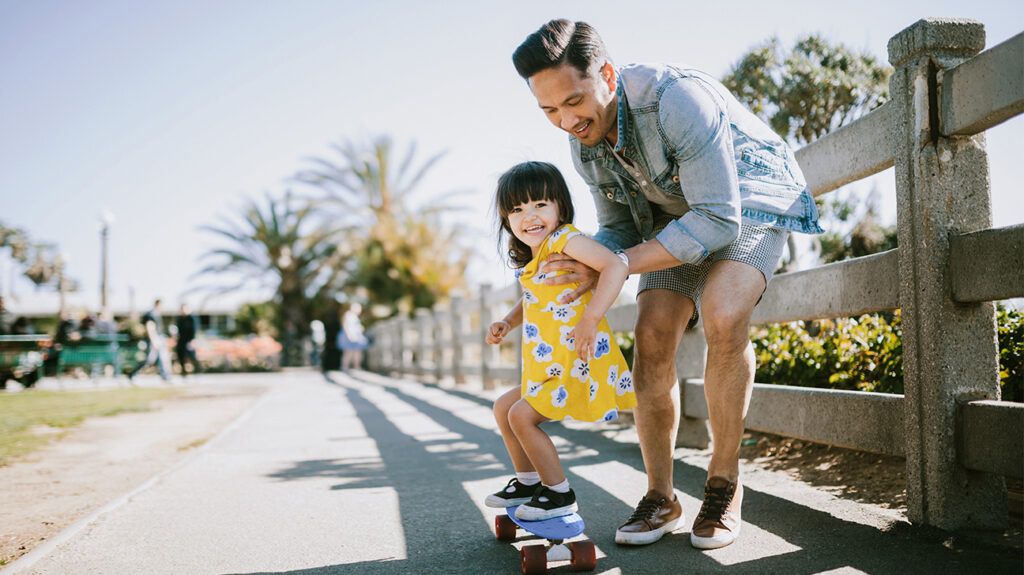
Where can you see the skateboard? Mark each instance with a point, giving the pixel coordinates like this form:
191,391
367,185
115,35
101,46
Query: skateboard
534,559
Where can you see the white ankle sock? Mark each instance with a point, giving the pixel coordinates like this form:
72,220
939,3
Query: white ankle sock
562,487
528,477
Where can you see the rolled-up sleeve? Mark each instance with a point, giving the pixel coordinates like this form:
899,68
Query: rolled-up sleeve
696,130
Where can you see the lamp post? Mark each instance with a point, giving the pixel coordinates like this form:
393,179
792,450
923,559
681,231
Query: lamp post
106,220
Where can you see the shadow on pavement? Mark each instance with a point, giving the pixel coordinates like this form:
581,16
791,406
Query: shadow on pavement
429,486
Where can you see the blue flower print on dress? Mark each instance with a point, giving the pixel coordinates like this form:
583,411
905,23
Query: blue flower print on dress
603,344
555,370
529,296
542,352
518,272
531,332
539,278
612,415
625,384
613,375
533,387
559,396
562,313
580,370
593,389
567,340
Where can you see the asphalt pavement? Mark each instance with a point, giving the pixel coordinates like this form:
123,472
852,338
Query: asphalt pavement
364,474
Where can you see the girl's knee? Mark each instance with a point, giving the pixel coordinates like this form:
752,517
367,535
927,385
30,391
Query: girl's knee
522,416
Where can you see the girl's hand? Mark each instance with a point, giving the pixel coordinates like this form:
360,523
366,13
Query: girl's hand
497,332
584,333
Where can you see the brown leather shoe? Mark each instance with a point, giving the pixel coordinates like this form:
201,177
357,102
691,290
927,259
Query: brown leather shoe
653,517
718,523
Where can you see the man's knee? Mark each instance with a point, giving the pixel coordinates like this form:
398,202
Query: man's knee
726,326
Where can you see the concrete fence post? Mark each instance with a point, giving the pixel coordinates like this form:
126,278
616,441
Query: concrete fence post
691,359
949,349
424,347
487,352
440,325
400,344
458,321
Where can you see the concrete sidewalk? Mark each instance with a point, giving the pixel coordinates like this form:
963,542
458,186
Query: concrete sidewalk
368,474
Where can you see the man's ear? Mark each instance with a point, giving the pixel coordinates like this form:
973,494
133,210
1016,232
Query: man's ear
609,75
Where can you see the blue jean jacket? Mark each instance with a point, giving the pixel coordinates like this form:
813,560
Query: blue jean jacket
714,162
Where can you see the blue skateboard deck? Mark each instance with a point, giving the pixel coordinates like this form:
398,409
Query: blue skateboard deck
554,529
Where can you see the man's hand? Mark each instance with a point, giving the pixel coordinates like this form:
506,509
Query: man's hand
577,272
497,332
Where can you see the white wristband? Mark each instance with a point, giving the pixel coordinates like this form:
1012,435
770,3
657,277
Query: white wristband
622,256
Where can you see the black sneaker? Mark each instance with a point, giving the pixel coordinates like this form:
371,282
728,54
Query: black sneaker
514,493
547,504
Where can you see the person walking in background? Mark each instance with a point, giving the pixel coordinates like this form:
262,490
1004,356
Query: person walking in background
351,339
317,337
572,366
187,325
155,344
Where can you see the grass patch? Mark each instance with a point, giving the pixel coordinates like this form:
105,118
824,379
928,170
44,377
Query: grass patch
194,444
31,419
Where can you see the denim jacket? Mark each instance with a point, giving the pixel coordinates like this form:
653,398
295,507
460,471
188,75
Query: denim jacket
703,149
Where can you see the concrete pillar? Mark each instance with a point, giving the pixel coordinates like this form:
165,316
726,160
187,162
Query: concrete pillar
440,325
424,347
691,358
949,349
400,344
458,330
488,353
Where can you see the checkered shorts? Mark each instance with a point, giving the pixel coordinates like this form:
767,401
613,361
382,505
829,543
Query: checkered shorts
758,245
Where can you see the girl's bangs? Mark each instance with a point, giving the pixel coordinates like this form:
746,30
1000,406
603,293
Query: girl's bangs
521,192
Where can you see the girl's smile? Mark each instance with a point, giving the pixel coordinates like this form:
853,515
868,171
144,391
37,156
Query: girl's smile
533,221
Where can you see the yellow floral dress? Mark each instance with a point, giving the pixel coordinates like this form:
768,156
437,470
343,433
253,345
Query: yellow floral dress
556,382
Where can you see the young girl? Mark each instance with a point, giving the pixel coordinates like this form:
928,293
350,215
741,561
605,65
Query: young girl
572,366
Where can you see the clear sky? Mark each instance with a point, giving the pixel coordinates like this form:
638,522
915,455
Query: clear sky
169,114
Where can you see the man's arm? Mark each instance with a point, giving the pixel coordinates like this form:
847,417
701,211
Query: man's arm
695,127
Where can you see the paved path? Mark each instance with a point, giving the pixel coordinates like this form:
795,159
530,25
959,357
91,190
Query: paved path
368,475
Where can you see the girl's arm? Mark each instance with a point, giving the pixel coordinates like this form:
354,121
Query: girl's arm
514,317
613,272
497,331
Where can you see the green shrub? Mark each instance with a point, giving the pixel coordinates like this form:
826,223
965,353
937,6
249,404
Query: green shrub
864,354
1011,353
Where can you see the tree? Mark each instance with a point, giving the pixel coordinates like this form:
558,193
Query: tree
806,93
41,263
277,246
811,90
404,256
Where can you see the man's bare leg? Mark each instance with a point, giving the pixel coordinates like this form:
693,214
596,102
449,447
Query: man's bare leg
662,316
729,297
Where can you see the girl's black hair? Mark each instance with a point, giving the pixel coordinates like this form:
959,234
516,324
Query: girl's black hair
529,182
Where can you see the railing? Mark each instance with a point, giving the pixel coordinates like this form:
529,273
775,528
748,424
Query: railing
958,439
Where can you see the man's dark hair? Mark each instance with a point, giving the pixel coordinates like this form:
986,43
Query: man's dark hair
560,42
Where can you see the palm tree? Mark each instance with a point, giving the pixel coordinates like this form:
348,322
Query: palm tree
276,246
404,254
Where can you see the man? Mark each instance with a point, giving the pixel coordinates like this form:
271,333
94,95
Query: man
155,351
187,324
701,196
